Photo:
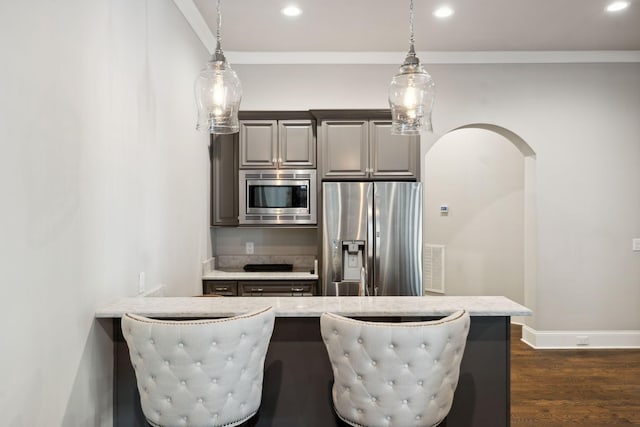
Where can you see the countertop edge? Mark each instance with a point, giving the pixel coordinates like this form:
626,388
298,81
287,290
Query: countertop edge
199,307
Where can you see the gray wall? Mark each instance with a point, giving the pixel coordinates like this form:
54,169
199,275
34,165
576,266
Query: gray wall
579,119
102,176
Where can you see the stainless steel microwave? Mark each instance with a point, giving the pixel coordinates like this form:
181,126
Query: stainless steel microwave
277,197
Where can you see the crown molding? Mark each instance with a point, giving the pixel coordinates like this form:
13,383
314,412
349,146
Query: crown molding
395,58
198,24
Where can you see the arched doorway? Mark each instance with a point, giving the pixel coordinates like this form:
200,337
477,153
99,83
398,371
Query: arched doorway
479,204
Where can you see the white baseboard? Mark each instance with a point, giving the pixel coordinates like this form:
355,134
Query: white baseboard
588,339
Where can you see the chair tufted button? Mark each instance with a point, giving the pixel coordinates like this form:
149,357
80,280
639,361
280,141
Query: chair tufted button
243,335
418,417
359,377
230,358
360,411
391,345
374,363
433,397
229,394
435,361
185,418
373,398
215,415
423,345
168,399
198,363
406,365
405,401
388,418
359,340
214,381
152,341
180,344
391,383
346,354
166,362
200,400
183,382
214,343
335,332
420,382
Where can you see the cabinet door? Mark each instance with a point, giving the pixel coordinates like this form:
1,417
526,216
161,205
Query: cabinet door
393,156
224,180
258,144
297,144
345,149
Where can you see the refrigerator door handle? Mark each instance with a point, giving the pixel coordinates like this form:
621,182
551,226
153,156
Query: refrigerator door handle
371,277
376,236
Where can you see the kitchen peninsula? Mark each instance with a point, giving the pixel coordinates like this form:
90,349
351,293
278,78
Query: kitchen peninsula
298,377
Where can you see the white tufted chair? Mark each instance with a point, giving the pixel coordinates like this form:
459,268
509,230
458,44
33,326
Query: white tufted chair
394,374
199,373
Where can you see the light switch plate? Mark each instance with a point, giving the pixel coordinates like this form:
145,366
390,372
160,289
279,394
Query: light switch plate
636,245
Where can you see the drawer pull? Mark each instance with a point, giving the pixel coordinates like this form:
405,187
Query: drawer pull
257,290
222,288
297,289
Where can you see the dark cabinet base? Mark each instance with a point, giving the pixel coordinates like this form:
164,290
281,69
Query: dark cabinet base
298,378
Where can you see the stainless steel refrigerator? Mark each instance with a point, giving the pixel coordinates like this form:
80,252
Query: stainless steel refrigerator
372,238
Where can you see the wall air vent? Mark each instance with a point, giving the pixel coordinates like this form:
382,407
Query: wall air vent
433,264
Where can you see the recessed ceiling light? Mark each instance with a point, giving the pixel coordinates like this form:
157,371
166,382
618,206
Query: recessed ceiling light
617,6
291,11
443,12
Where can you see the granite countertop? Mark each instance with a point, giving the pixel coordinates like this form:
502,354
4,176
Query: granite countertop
176,307
250,275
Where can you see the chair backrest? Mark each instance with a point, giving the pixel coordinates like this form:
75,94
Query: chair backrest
199,373
394,374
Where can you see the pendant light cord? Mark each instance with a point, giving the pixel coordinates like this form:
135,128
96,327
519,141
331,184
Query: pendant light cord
411,37
219,23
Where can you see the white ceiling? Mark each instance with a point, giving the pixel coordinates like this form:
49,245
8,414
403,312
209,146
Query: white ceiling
382,25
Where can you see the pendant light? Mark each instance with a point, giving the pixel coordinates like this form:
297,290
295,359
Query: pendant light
218,92
411,93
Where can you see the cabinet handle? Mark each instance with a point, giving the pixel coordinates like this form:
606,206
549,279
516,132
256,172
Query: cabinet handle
221,288
297,289
257,289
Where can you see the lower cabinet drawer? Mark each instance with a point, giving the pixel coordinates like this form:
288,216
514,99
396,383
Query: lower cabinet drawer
276,289
217,287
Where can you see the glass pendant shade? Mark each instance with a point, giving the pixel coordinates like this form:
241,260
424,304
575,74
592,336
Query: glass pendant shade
411,93
411,96
218,94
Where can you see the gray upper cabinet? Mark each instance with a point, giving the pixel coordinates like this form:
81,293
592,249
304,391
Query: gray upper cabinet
392,156
224,180
296,144
345,148
277,144
365,149
258,144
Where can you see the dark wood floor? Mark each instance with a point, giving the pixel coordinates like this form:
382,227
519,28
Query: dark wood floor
588,388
